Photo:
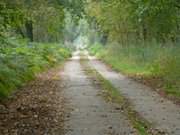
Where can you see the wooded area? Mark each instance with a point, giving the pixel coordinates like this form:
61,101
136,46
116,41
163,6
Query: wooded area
138,37
89,67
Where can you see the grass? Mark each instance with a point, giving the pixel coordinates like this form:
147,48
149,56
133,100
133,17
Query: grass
111,94
145,61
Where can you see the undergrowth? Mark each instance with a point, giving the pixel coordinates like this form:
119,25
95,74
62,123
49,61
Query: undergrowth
20,61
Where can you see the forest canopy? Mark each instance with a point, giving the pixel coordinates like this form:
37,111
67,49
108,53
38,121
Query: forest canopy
37,20
133,20
118,20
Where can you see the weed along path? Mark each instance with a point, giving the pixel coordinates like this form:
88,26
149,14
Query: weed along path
87,112
160,112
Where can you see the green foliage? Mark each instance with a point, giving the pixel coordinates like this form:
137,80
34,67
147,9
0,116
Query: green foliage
19,62
141,20
37,20
75,7
167,67
94,50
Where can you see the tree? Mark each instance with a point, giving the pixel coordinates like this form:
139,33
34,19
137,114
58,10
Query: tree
129,20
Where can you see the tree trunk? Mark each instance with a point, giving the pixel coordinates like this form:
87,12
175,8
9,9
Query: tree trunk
29,29
19,30
144,33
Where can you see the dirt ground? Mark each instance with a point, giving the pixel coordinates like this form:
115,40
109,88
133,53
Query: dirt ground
35,109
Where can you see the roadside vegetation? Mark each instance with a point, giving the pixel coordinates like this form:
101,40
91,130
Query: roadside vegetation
20,61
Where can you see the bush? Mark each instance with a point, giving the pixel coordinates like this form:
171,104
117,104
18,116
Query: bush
167,67
20,61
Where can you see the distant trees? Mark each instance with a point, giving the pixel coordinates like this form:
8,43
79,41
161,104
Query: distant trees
122,21
38,20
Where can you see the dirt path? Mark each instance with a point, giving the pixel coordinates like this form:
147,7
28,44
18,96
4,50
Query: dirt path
163,114
89,113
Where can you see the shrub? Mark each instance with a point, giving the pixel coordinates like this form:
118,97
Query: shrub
20,61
